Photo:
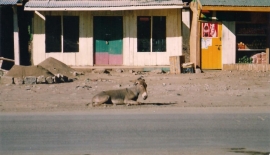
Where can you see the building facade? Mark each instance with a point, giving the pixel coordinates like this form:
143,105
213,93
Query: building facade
87,33
240,31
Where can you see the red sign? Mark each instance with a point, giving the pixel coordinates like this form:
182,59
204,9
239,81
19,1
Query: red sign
210,30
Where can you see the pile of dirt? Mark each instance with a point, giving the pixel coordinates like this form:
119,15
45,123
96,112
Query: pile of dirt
48,68
22,71
57,67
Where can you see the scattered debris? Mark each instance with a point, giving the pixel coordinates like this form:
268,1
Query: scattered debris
101,71
118,70
157,71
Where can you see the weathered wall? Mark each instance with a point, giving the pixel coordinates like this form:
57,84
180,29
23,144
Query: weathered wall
130,55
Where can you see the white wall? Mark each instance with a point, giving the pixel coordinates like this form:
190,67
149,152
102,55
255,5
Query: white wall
228,42
130,55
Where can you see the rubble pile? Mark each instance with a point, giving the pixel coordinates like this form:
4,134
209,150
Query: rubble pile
47,72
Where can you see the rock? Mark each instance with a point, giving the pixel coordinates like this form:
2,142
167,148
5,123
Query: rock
118,70
27,88
60,78
77,73
18,81
100,70
157,71
131,71
6,80
198,70
49,80
57,79
30,80
118,86
87,80
41,79
64,78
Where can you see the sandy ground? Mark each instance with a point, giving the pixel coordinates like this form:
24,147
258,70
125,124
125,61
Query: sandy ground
208,89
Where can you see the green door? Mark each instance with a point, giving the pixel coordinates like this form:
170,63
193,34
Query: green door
108,40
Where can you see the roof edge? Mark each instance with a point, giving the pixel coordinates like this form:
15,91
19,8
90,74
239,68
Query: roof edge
237,8
104,8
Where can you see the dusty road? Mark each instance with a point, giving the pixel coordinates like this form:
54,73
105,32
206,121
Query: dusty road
209,89
166,131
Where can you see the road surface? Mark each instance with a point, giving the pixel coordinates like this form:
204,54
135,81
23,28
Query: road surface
199,131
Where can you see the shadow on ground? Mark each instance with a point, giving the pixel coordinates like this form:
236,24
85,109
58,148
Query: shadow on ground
158,104
244,151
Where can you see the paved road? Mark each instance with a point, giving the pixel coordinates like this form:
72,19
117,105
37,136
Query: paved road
170,131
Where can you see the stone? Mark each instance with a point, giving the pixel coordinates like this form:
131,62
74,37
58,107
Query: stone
77,73
60,78
100,70
18,81
118,70
131,71
30,80
41,79
63,78
49,80
6,80
198,70
157,71
57,79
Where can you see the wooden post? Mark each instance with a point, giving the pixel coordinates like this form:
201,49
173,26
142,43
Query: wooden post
16,36
195,34
267,55
1,35
176,64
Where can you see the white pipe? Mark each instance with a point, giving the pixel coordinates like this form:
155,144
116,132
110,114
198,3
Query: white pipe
40,15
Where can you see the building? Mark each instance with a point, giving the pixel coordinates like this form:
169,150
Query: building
97,32
232,23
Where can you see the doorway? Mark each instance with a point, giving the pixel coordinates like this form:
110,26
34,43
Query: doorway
211,45
108,40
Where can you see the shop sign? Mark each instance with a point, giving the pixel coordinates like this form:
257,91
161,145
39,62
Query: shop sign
209,30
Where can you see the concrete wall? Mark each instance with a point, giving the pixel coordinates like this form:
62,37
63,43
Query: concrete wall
130,55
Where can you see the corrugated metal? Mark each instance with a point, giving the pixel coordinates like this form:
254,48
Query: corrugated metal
256,3
99,3
8,2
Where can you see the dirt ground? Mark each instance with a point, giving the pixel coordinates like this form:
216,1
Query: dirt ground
207,89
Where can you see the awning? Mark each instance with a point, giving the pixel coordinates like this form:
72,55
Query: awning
236,5
88,5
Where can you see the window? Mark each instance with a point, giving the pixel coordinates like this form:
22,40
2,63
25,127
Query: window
53,33
71,33
151,34
56,27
